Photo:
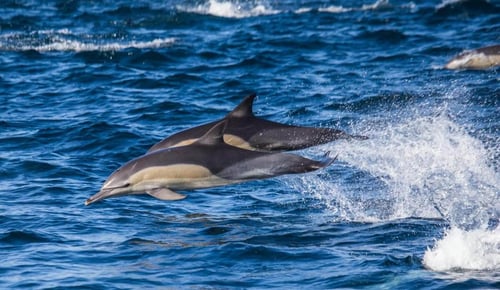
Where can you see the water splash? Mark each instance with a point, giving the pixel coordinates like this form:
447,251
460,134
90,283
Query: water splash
432,163
465,250
421,166
425,167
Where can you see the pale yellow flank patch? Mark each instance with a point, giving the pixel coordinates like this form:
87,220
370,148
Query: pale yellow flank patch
178,176
184,143
237,141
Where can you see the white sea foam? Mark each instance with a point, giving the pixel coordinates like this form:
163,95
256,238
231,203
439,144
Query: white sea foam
445,3
303,10
78,46
335,9
65,40
379,4
465,250
231,9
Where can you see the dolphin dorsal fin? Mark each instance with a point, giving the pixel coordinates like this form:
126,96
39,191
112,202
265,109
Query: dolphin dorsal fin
244,109
215,135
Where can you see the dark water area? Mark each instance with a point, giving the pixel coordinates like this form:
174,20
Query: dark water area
89,85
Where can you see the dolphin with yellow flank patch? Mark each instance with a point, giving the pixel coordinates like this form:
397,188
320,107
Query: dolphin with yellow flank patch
246,131
480,58
207,162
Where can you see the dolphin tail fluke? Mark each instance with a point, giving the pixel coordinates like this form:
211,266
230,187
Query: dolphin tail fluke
327,160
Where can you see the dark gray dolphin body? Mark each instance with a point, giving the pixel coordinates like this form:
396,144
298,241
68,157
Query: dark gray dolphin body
246,131
481,58
208,162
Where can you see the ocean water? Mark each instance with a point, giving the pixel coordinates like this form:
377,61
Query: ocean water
88,85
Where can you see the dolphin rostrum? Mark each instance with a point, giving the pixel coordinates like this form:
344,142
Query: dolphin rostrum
208,162
246,131
481,58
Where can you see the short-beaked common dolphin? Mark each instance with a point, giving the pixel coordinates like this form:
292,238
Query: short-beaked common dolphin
481,58
208,162
246,131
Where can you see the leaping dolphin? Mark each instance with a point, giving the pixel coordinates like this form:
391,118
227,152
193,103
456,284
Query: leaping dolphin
481,58
207,162
246,131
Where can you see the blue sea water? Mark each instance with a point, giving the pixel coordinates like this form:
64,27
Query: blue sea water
88,85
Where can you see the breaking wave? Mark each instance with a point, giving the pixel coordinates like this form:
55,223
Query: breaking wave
230,9
65,40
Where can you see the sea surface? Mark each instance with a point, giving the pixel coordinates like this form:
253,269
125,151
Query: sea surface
86,86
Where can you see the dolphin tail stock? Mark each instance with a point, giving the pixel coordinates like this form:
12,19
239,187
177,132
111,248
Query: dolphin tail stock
358,137
333,134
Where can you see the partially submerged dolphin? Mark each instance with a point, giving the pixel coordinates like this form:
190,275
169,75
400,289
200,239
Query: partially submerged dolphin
481,58
207,162
246,131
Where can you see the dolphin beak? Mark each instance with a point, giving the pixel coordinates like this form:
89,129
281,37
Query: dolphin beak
109,191
104,193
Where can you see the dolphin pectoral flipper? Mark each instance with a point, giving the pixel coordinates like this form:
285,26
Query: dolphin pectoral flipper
165,194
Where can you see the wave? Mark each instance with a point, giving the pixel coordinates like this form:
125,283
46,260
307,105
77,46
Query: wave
244,9
465,7
65,40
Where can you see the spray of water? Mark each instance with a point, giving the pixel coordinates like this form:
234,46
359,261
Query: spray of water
420,166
